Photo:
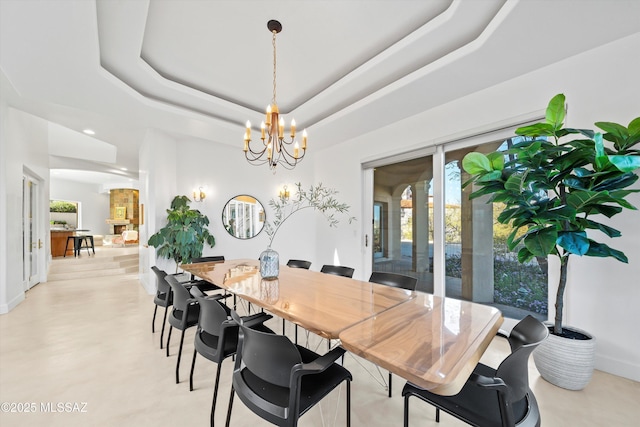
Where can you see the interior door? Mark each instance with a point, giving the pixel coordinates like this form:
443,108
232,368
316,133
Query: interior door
32,242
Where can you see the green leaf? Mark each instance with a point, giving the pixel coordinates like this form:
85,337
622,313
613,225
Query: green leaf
601,157
609,231
541,242
626,163
524,255
634,126
474,163
574,242
603,251
497,160
537,129
556,111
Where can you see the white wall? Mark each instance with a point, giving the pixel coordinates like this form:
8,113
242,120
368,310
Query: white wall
225,173
24,141
600,85
94,205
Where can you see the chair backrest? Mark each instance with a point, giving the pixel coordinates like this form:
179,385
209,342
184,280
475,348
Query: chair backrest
161,282
215,258
337,270
299,263
268,356
212,313
180,294
513,370
395,280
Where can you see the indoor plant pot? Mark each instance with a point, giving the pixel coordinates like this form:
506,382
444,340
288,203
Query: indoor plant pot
567,363
555,189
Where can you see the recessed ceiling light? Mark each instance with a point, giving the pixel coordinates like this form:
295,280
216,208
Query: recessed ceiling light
89,132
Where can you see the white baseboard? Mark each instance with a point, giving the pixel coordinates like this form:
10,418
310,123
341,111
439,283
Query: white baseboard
621,368
5,308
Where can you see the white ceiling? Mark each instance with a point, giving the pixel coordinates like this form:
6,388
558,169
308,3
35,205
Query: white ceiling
200,69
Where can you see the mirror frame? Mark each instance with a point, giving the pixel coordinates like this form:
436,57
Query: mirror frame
257,216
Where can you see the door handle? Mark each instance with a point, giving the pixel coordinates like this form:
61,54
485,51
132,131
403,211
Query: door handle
39,244
366,240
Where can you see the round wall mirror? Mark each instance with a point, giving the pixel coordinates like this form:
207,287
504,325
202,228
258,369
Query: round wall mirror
243,217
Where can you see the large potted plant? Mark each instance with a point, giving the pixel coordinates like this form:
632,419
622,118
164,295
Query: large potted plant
559,185
185,234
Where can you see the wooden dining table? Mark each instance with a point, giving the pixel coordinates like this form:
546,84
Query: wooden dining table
432,341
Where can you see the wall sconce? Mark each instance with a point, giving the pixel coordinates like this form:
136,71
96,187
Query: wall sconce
199,195
284,193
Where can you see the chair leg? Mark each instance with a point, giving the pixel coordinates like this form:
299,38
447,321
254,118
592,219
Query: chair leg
153,321
283,332
179,357
230,406
169,339
390,380
406,411
437,415
164,322
215,393
193,365
348,403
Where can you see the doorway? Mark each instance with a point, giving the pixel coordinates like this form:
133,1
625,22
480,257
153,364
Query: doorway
32,232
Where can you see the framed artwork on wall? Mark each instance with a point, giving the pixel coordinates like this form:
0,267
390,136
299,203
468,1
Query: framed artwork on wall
120,213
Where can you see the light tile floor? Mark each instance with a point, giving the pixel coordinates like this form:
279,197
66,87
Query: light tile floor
89,342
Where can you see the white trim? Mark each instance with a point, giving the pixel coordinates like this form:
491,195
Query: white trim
5,308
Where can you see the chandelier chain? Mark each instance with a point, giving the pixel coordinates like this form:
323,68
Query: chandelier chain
273,101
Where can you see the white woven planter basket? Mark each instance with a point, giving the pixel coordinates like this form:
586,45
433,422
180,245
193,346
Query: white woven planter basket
564,362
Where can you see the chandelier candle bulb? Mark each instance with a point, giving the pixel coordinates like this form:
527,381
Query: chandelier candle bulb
296,150
269,151
248,136
262,135
304,139
293,128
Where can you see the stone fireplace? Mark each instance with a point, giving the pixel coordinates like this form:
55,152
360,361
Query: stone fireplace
124,210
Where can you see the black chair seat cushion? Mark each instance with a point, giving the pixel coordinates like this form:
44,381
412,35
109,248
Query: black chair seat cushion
313,388
474,404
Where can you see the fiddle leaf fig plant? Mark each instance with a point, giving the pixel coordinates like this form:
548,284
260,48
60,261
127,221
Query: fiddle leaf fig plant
318,198
185,234
557,183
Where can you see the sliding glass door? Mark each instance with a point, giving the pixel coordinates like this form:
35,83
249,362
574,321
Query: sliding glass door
477,263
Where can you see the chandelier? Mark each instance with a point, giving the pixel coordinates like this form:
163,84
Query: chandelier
275,149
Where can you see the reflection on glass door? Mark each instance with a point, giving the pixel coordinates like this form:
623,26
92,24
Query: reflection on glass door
402,224
479,267
379,230
32,244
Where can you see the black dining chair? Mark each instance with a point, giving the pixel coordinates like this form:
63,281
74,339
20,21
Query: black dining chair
337,270
184,315
203,284
397,281
493,397
280,381
216,336
163,298
299,263
296,263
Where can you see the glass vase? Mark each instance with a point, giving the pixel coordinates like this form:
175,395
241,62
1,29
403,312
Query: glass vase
269,264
